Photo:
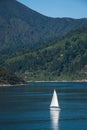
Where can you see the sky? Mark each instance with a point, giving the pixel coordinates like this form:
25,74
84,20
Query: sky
58,8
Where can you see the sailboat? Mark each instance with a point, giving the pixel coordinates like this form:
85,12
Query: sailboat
54,103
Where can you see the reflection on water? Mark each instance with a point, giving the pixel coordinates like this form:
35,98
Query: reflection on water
55,119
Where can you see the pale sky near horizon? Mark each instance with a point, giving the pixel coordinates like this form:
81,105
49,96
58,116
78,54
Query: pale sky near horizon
58,8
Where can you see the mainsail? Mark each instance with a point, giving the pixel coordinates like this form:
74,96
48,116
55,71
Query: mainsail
54,102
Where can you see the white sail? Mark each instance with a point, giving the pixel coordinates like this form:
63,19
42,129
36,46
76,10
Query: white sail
54,102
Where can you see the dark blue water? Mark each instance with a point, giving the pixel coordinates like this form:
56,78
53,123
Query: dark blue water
27,107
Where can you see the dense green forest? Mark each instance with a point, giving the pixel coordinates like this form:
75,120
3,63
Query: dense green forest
66,59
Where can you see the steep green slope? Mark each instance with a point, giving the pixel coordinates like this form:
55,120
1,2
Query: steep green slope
22,28
8,77
64,60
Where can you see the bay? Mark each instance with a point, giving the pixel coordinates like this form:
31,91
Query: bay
27,107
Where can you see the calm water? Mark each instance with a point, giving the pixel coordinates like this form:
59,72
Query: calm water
27,107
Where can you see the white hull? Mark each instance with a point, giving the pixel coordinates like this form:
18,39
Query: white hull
55,109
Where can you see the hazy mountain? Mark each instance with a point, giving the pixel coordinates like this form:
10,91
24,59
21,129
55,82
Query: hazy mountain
22,28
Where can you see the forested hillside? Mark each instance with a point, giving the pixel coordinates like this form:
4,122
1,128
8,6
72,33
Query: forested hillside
22,28
64,60
37,47
8,77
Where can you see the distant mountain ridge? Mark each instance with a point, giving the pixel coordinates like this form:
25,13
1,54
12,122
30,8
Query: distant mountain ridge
22,28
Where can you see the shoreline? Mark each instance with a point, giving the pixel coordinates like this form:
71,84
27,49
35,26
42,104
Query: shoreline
59,81
11,85
38,81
